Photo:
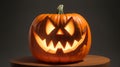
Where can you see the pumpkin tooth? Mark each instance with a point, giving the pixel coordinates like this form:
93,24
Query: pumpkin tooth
75,44
59,52
51,46
59,45
68,46
45,45
44,42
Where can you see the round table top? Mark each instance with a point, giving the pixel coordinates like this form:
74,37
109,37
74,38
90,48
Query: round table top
89,61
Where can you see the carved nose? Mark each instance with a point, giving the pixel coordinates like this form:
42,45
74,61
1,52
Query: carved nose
60,32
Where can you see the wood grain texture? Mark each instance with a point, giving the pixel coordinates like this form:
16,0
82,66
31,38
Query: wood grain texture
89,61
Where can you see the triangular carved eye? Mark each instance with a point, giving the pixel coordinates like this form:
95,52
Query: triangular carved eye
49,27
70,27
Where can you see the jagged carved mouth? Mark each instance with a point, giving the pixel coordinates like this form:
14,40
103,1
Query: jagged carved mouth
53,49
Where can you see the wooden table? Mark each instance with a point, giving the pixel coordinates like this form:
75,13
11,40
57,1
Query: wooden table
89,61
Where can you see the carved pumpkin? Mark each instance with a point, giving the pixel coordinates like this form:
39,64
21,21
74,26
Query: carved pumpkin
59,38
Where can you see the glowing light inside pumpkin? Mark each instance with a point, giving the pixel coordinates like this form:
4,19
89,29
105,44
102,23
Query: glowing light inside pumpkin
70,28
51,49
49,27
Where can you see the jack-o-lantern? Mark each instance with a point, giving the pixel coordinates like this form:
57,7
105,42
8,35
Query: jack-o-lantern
60,38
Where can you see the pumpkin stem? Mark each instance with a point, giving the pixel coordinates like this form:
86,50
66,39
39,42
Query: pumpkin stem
60,9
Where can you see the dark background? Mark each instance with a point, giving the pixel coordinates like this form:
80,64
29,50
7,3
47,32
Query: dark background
16,16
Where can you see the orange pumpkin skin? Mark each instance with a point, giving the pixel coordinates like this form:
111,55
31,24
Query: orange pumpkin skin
38,31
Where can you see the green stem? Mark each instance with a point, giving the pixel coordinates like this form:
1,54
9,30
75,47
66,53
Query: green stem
60,9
